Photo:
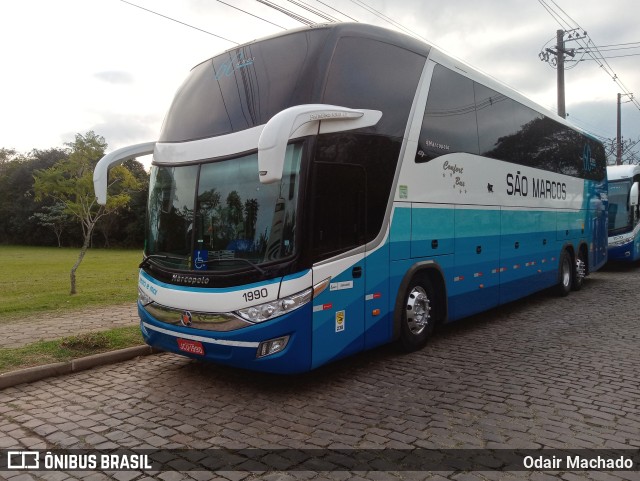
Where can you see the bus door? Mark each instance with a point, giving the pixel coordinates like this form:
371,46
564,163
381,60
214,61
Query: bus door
338,234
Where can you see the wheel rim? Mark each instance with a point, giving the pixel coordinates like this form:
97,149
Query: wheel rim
417,309
566,272
581,268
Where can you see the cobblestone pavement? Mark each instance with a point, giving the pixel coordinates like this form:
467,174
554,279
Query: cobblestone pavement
19,332
544,372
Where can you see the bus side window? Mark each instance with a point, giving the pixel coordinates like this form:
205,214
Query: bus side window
449,123
507,130
339,208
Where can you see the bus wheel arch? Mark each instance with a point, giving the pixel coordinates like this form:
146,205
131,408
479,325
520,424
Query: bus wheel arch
420,305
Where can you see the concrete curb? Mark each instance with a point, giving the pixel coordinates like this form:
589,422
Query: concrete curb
37,373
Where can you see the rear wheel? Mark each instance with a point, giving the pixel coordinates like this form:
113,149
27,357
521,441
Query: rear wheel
418,321
581,270
565,274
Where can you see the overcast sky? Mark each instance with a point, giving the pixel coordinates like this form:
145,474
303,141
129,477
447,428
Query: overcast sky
69,66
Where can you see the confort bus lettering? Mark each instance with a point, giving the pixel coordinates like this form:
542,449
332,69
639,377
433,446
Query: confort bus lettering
285,230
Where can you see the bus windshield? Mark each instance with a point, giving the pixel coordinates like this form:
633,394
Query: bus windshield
619,220
217,216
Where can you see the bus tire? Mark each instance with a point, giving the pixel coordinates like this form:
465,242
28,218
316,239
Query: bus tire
565,274
418,320
580,270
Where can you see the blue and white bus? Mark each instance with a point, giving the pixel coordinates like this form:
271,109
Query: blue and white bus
624,217
331,189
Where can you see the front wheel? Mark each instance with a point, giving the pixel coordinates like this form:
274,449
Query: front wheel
418,321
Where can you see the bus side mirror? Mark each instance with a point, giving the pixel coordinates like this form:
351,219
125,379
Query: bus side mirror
633,195
101,172
291,123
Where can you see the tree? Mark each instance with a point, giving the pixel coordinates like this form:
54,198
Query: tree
70,182
54,216
17,203
127,227
6,156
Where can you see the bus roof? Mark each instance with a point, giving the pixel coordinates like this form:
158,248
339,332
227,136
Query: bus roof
621,172
350,29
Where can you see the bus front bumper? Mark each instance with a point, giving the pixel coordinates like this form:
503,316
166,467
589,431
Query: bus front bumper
246,348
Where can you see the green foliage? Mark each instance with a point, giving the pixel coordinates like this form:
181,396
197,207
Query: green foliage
70,182
55,217
17,199
21,221
126,226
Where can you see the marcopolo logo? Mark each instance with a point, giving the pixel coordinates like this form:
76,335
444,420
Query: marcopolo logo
191,280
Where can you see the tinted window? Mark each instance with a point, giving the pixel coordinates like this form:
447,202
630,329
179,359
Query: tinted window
507,130
338,207
564,150
170,213
449,123
619,218
594,160
368,74
239,218
465,116
572,153
378,157
245,87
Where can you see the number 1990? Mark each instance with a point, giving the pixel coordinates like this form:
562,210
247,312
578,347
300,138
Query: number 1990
255,295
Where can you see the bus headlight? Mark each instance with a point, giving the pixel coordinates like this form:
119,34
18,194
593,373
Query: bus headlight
273,309
144,298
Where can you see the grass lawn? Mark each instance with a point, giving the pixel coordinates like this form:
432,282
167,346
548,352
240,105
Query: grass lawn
68,348
36,279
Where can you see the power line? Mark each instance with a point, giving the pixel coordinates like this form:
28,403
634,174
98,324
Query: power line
590,48
336,10
387,19
315,11
289,13
604,64
613,56
249,13
178,21
608,49
558,20
618,44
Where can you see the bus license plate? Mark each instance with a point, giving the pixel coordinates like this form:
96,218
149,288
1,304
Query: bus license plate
192,347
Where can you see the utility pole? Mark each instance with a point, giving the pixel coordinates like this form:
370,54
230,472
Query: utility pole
619,135
619,141
562,111
558,61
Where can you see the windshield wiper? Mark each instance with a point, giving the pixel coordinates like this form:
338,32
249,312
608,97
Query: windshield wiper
147,259
246,261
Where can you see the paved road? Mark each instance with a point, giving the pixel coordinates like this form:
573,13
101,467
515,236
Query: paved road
19,332
546,372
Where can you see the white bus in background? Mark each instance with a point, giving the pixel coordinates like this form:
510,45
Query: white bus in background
624,216
331,189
